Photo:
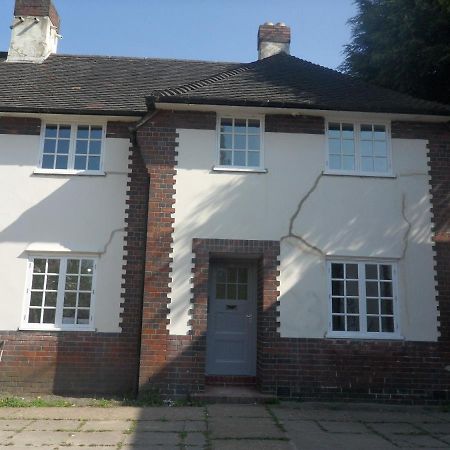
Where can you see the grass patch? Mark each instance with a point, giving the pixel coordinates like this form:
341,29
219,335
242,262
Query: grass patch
20,402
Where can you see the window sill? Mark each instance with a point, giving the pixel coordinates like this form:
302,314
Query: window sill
359,174
238,169
34,328
95,173
365,336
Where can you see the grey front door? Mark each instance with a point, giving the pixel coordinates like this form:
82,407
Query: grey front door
231,334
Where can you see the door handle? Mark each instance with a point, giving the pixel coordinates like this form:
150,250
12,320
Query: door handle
249,316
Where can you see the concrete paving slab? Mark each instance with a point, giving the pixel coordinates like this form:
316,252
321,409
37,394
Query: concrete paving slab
435,428
107,425
175,426
150,439
249,428
6,425
55,425
237,411
195,426
250,444
6,436
174,413
302,426
395,428
39,439
94,438
416,441
197,439
343,427
295,413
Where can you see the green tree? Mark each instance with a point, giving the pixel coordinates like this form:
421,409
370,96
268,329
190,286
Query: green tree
402,45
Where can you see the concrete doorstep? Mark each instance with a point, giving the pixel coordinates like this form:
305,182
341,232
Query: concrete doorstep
314,426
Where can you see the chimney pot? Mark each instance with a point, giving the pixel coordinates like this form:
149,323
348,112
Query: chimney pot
273,39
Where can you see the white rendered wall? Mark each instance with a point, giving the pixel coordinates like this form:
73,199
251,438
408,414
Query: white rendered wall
64,215
344,216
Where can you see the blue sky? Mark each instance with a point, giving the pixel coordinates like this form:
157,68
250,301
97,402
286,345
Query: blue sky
221,30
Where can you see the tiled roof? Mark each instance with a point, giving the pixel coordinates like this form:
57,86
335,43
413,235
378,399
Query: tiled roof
288,82
121,86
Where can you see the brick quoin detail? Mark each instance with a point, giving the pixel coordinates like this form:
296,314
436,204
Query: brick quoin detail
118,130
163,355
284,123
20,126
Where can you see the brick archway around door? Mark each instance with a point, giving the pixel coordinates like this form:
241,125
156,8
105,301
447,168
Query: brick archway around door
266,255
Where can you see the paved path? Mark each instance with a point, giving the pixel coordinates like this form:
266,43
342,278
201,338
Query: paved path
288,426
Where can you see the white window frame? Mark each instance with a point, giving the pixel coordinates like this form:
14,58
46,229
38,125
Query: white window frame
363,333
357,130
73,138
232,168
58,325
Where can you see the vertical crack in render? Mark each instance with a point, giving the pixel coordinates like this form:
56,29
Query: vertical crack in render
297,213
408,229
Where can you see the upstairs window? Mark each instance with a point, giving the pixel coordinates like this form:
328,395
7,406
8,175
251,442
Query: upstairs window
240,142
360,148
72,147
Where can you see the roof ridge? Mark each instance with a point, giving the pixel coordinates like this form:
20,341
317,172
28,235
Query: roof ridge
189,87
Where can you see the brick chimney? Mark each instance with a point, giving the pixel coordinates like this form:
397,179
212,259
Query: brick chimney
34,35
273,39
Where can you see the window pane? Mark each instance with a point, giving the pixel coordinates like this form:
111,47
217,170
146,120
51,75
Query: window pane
48,161
95,147
225,158
371,289
337,288
373,324
335,162
68,316
387,324
338,323
380,132
366,132
352,323
63,146
39,265
351,271
371,272
352,306
80,163
253,126
34,316
380,148
385,272
94,163
64,132
386,289
347,131
367,148
53,266
387,307
71,283
253,159
334,130
226,125
240,125
84,300
50,299
242,275
253,142
50,146
338,305
38,282
334,147
337,270
348,148
87,266
239,158
352,288
61,162
70,299
83,132
52,282
232,275
239,141
81,147
85,283
372,306
96,133
367,164
380,165
221,291
231,291
73,265
51,131
348,163
83,317
36,299
49,316
221,275
226,141
242,292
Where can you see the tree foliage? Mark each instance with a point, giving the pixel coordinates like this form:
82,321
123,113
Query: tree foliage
402,45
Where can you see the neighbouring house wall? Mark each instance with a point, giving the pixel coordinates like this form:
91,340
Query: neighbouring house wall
71,214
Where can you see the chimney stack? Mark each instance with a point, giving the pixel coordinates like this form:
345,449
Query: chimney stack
34,35
273,39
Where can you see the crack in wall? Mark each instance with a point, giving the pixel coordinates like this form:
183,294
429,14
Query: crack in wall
294,217
111,237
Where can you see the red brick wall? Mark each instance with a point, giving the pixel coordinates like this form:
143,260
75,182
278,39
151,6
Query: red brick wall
294,124
38,8
20,126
